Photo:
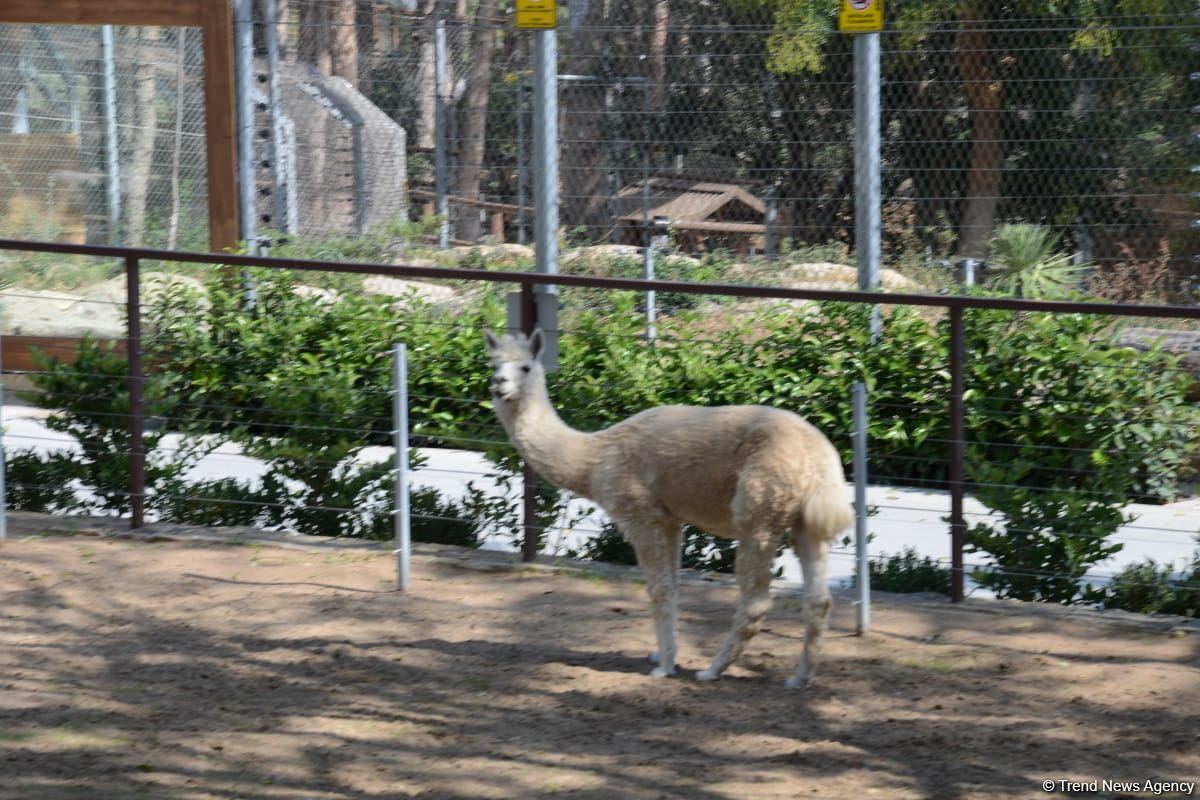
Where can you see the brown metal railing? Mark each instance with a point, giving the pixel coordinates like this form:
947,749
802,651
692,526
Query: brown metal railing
132,258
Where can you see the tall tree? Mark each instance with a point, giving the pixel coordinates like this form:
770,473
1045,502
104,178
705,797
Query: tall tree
582,171
474,115
313,40
344,40
142,158
424,119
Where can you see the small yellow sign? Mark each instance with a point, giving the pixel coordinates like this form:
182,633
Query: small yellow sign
536,14
860,16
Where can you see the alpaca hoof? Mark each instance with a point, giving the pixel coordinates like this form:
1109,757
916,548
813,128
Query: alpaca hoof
653,657
662,672
707,675
798,682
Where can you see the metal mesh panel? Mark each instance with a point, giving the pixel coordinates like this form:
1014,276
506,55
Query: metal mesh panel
1078,120
63,95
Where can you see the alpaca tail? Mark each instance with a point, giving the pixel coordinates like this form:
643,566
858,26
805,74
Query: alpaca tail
826,514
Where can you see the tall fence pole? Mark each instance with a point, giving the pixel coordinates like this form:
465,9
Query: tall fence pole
440,133
858,395
545,150
529,478
112,145
648,249
278,160
137,405
402,521
867,192
958,526
243,38
521,159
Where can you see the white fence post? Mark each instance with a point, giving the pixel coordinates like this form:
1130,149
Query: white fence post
858,395
400,511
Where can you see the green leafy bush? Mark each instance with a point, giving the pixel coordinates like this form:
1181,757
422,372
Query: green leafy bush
1150,588
39,482
90,400
907,571
1065,428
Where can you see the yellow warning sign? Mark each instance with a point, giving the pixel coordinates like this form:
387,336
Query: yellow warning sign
536,14
860,16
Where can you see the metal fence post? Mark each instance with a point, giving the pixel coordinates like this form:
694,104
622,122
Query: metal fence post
770,240
545,150
521,178
648,244
529,478
112,147
402,521
858,395
867,192
958,527
137,405
243,38
440,134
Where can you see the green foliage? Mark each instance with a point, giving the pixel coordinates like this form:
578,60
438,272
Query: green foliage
906,572
1026,264
1065,429
37,482
1150,588
90,400
700,551
438,520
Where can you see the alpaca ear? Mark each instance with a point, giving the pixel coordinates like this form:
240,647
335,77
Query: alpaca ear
492,341
537,343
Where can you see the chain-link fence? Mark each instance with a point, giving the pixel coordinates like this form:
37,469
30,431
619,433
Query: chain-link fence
102,135
730,126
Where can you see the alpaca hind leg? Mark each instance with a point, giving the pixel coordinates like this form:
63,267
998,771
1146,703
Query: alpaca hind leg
657,549
818,603
755,555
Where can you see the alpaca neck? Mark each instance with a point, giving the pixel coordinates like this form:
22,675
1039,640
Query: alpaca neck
557,452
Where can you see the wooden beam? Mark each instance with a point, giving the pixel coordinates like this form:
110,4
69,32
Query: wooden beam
213,17
224,229
163,13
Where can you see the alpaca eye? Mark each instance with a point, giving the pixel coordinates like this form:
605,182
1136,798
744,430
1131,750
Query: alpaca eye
524,369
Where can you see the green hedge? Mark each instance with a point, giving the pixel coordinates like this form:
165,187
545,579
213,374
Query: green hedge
1064,427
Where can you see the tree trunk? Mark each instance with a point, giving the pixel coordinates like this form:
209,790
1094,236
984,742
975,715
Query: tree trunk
281,26
424,120
344,40
658,55
142,158
177,145
473,133
313,42
366,45
11,79
583,170
987,148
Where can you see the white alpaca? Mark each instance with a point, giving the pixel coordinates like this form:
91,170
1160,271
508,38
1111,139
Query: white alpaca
750,473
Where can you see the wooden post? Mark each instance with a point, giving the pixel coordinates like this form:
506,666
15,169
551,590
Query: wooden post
496,223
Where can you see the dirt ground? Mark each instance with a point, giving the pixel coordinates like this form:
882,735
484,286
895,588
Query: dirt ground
185,670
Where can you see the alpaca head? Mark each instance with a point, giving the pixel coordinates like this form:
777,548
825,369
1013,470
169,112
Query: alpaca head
516,364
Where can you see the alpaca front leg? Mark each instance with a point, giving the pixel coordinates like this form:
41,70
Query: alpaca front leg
658,555
817,606
753,567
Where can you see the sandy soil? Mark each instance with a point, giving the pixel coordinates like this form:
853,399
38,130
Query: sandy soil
183,670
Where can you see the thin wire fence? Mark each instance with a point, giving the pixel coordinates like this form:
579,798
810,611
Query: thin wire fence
253,457
729,124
